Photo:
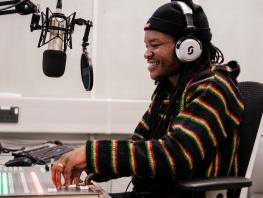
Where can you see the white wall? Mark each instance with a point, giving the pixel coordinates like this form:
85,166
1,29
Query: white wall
237,31
122,85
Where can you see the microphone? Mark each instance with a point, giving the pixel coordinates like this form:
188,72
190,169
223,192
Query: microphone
60,29
54,58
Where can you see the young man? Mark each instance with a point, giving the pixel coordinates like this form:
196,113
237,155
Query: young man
191,127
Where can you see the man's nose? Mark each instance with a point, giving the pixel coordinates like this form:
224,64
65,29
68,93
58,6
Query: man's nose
148,53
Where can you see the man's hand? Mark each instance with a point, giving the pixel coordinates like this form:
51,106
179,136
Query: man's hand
70,165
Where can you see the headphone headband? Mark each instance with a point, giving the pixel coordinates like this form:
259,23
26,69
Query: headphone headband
188,48
188,13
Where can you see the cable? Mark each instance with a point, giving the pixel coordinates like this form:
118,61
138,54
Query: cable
7,150
127,189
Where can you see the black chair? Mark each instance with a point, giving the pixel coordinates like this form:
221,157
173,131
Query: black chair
252,93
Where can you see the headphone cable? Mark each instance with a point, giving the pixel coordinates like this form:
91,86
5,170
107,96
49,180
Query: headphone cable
127,189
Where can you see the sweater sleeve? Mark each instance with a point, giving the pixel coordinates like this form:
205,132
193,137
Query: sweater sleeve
211,110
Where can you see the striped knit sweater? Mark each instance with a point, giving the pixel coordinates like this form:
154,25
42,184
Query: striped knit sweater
200,141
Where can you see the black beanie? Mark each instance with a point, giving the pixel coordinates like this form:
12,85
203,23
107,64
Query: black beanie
170,19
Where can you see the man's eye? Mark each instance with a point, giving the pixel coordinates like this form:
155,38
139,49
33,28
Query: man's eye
155,46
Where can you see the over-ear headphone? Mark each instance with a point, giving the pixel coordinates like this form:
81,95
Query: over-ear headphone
188,48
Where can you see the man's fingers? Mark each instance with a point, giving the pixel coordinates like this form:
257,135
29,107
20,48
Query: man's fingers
89,178
57,170
76,177
67,174
58,183
70,165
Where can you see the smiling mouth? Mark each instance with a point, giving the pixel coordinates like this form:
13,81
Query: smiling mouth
152,64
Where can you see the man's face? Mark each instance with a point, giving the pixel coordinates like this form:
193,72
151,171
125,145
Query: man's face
160,55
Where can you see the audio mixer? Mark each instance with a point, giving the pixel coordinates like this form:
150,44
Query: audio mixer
24,182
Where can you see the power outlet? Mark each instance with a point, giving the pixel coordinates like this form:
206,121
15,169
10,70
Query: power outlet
9,114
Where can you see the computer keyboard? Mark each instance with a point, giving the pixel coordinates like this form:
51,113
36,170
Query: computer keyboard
43,153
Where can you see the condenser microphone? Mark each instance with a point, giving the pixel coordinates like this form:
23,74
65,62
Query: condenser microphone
54,58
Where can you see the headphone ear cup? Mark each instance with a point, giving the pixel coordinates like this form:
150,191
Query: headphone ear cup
188,49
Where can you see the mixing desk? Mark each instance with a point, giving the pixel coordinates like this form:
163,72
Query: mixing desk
25,182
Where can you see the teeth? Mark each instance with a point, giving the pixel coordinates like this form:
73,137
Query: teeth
153,62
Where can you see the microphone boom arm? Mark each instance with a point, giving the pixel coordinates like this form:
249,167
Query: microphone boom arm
9,4
22,7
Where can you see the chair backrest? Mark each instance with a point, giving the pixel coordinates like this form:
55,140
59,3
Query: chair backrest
252,93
